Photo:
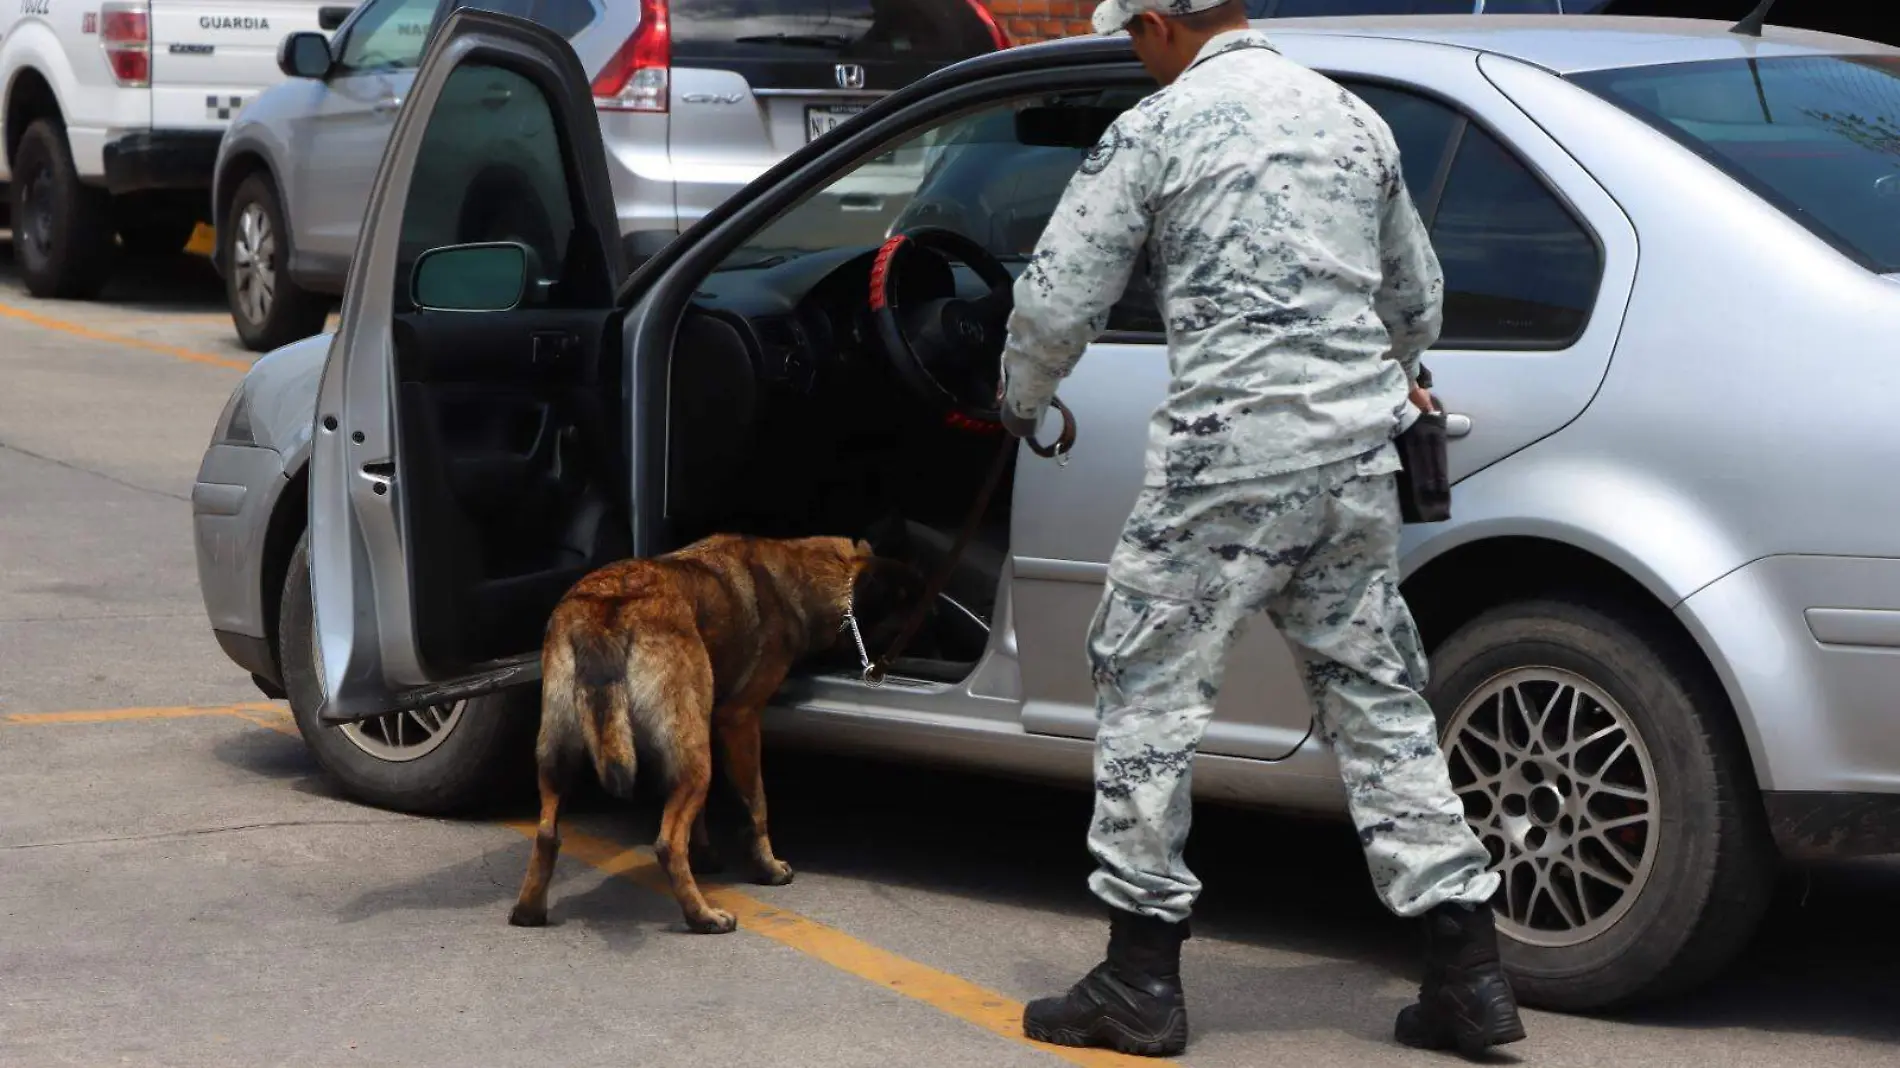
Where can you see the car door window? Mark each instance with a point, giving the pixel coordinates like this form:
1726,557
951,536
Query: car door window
1424,129
971,174
490,168
388,35
1520,269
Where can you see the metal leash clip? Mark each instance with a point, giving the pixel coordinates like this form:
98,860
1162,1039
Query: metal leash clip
871,675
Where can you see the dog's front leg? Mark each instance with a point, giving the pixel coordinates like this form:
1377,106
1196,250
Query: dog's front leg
739,739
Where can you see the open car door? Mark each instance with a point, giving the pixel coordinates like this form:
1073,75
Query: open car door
467,458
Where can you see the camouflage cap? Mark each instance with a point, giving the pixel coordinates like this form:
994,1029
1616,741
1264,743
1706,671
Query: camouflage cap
1112,16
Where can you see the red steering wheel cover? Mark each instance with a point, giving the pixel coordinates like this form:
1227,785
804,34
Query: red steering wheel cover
881,272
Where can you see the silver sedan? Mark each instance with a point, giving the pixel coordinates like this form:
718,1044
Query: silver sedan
1664,620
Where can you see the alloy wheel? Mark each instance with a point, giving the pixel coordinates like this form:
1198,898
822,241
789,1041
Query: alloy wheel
1558,783
252,249
400,736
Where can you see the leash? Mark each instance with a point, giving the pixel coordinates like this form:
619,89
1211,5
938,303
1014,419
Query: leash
875,670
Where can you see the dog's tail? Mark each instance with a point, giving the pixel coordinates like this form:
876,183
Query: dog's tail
584,688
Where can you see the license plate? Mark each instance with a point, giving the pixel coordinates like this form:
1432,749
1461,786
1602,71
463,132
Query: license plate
821,121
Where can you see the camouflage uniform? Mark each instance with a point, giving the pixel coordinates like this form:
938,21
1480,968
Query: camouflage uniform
1298,287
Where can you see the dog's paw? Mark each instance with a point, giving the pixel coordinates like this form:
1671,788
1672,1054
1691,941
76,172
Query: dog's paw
716,921
774,872
523,916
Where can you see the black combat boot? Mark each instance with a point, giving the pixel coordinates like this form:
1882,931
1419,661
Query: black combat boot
1465,1001
1131,1002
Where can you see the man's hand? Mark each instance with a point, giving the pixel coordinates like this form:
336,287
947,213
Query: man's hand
1017,425
1424,401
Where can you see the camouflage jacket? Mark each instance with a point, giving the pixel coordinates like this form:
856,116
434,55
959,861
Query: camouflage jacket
1289,264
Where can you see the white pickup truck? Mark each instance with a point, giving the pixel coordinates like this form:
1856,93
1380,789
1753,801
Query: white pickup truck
112,116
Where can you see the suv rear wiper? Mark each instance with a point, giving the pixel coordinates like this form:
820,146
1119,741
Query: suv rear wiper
811,40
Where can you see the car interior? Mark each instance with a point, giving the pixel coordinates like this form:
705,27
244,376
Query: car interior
795,411
799,402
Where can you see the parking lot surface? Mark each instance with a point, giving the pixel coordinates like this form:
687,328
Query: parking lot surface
179,885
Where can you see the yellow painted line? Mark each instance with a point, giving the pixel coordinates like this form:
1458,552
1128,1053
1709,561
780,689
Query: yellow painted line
47,322
987,1009
203,240
272,717
949,994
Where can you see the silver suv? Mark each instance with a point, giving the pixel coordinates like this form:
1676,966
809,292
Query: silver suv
695,99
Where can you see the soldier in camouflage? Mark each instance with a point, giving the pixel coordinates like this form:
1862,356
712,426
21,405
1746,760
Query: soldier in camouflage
1299,288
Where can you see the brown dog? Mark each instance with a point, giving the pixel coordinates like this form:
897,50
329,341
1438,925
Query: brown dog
661,653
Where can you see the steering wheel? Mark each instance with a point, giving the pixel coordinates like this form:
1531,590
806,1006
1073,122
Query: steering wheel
947,349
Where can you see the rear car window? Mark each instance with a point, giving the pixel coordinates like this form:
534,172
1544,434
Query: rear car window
1816,136
831,30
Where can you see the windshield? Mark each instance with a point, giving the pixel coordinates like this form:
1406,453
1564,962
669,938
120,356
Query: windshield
1816,136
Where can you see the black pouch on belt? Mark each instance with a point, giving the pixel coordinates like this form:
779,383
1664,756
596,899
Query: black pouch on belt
1424,478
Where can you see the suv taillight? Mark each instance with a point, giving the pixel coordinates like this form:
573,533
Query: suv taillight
989,23
637,77
126,35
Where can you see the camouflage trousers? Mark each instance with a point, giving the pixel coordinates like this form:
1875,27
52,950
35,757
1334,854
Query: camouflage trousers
1317,551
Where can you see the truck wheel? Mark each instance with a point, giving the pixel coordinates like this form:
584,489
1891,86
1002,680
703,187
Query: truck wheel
62,227
268,309
1615,796
438,761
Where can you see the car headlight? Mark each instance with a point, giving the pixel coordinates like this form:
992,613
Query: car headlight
234,422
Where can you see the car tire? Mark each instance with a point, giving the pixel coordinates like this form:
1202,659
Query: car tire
63,227
487,747
1696,860
268,308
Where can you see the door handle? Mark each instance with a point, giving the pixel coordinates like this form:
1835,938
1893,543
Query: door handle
387,105
1457,426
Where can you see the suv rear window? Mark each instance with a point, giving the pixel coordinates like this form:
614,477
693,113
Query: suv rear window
829,30
1816,136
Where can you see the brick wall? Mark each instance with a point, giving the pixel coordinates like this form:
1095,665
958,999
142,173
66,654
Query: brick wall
1039,20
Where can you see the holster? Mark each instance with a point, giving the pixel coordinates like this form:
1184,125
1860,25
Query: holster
1424,477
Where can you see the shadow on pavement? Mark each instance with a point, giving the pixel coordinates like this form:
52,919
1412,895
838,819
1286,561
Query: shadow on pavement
174,283
1822,964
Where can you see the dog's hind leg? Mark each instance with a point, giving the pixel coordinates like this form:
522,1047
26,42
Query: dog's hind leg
686,689
559,756
531,908
704,857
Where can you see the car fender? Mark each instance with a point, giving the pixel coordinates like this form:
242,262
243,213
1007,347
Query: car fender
1656,532
32,46
282,391
256,132
1659,534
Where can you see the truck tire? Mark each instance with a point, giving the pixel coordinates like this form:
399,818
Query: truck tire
1608,780
456,760
267,307
62,232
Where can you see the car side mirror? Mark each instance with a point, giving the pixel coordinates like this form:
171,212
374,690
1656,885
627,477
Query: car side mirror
491,276
304,54
1064,125
330,16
